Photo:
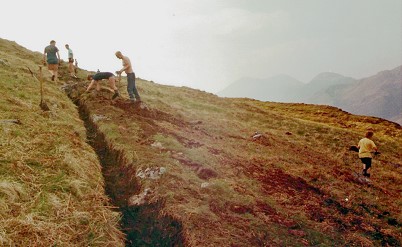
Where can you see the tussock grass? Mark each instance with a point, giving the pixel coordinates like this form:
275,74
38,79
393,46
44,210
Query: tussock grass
308,143
51,188
288,189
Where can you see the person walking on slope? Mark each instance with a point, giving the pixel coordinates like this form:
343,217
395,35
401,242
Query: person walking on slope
366,149
95,79
127,67
52,57
70,61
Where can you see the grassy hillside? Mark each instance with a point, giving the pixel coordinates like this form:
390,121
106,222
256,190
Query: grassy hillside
51,186
188,169
295,185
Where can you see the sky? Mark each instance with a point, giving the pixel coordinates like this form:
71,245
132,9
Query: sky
209,44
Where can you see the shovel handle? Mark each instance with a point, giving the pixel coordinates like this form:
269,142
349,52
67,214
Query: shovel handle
41,83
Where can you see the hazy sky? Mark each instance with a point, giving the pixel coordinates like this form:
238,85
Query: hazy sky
208,44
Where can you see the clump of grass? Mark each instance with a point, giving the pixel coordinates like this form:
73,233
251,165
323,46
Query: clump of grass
243,205
51,189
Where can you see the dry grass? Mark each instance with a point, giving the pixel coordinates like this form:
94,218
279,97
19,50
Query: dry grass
285,189
51,188
288,189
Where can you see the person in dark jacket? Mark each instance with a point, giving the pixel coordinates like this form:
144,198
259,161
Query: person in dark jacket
96,78
51,56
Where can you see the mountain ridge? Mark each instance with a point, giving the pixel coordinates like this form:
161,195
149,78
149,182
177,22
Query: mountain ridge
334,89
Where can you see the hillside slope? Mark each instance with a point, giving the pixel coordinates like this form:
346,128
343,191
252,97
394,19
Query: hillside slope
51,185
187,168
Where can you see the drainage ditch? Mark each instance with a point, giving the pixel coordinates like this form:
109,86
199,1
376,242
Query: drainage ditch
143,225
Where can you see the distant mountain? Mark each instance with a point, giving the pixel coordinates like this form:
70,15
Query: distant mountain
379,95
284,88
281,88
317,92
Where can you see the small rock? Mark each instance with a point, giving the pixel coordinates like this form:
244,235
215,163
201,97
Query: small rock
205,185
157,145
257,136
288,133
97,118
162,170
140,199
152,173
140,174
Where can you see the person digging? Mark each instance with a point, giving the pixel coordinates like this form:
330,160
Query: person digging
128,68
366,150
96,78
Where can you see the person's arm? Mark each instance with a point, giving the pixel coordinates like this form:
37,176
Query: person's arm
58,56
90,85
375,147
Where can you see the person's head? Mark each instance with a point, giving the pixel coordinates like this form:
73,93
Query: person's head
89,77
67,46
369,134
118,54
52,42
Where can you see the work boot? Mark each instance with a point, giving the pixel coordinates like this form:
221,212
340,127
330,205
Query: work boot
365,173
116,94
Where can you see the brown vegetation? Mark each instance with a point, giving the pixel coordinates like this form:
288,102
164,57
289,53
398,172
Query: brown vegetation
294,185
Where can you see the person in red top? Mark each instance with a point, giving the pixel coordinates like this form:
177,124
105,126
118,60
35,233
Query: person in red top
366,149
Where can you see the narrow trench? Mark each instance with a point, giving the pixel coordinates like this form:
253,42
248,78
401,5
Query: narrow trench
143,225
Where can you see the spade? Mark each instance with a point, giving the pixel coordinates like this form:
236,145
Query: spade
42,103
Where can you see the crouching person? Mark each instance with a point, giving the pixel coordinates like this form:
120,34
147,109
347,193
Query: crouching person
95,79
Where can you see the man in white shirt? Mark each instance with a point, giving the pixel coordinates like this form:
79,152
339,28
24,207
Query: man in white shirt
70,61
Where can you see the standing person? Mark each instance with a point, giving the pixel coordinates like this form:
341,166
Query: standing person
70,61
52,57
95,79
127,67
366,149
